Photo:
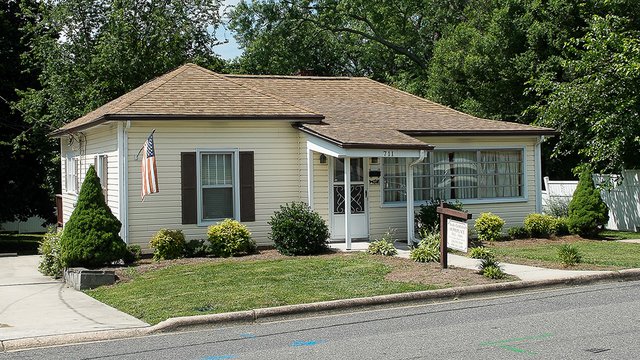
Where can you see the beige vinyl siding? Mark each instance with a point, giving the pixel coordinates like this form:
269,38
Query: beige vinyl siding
100,140
383,217
277,171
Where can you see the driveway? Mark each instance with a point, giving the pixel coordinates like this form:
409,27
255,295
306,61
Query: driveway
33,305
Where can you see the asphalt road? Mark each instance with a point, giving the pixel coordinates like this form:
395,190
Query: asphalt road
586,322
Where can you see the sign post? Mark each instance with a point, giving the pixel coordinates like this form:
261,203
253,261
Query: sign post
454,222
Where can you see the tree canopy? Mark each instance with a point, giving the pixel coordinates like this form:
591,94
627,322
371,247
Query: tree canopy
28,173
526,61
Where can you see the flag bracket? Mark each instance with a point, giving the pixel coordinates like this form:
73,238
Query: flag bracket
139,151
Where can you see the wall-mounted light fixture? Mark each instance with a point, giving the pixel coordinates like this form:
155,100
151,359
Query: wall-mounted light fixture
323,159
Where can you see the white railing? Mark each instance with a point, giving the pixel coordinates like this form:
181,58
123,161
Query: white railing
622,197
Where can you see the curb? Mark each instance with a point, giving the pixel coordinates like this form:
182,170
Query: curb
292,311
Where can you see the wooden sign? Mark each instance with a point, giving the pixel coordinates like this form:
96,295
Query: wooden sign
457,235
447,213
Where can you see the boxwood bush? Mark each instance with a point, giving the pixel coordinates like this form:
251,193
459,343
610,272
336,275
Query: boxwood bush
427,218
168,244
540,225
488,226
298,230
49,248
230,238
91,236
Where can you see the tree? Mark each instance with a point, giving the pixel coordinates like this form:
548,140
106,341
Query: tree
91,236
388,41
88,52
26,185
597,108
587,212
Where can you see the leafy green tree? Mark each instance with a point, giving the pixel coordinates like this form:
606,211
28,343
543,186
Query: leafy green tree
596,109
88,52
27,179
587,212
91,236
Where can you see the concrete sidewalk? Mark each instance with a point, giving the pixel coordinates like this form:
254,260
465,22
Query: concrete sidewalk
524,272
33,305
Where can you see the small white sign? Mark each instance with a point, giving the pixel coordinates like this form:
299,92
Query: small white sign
457,235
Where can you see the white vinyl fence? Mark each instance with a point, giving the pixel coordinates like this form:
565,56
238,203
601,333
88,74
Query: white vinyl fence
623,198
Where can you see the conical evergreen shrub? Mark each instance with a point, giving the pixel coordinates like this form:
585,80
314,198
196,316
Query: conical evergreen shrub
587,212
91,236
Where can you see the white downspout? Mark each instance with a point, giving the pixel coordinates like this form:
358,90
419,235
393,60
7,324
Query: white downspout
538,173
123,179
410,201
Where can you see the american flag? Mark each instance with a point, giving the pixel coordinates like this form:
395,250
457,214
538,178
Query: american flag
149,169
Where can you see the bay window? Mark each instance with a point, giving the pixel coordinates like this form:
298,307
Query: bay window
459,175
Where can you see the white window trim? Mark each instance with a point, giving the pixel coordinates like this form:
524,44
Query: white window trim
236,183
518,199
72,173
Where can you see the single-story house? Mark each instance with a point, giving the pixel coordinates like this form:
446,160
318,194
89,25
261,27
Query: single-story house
239,146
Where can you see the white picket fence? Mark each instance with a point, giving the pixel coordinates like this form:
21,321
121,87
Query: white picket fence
623,198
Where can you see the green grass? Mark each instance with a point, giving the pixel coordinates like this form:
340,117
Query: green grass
599,253
194,289
619,235
23,244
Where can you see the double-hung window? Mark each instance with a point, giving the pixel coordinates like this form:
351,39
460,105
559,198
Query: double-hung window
460,175
72,174
218,187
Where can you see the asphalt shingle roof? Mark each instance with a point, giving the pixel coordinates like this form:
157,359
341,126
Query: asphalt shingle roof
354,111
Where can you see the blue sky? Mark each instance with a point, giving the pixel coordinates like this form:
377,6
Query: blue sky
229,50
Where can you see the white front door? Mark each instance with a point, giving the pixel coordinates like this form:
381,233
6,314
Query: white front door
358,219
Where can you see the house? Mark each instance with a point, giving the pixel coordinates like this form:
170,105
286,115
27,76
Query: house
239,146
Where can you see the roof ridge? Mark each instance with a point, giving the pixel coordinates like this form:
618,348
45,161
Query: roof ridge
180,69
265,93
293,77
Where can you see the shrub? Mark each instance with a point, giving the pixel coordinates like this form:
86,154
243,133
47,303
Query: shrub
383,246
133,254
557,207
489,227
167,244
490,268
518,232
493,272
298,230
49,248
427,218
562,226
91,236
428,249
196,248
230,238
540,225
569,255
481,253
587,212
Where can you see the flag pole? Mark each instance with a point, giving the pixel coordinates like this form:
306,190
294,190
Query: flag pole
139,151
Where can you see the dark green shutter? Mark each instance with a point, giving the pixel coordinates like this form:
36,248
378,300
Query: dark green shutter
247,187
189,188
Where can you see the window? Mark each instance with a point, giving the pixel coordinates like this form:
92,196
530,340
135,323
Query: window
102,170
72,174
465,174
217,183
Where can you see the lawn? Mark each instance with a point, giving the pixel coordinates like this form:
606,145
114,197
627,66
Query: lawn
595,253
217,286
619,235
23,244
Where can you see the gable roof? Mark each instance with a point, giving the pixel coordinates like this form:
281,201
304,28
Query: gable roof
360,111
193,92
352,112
